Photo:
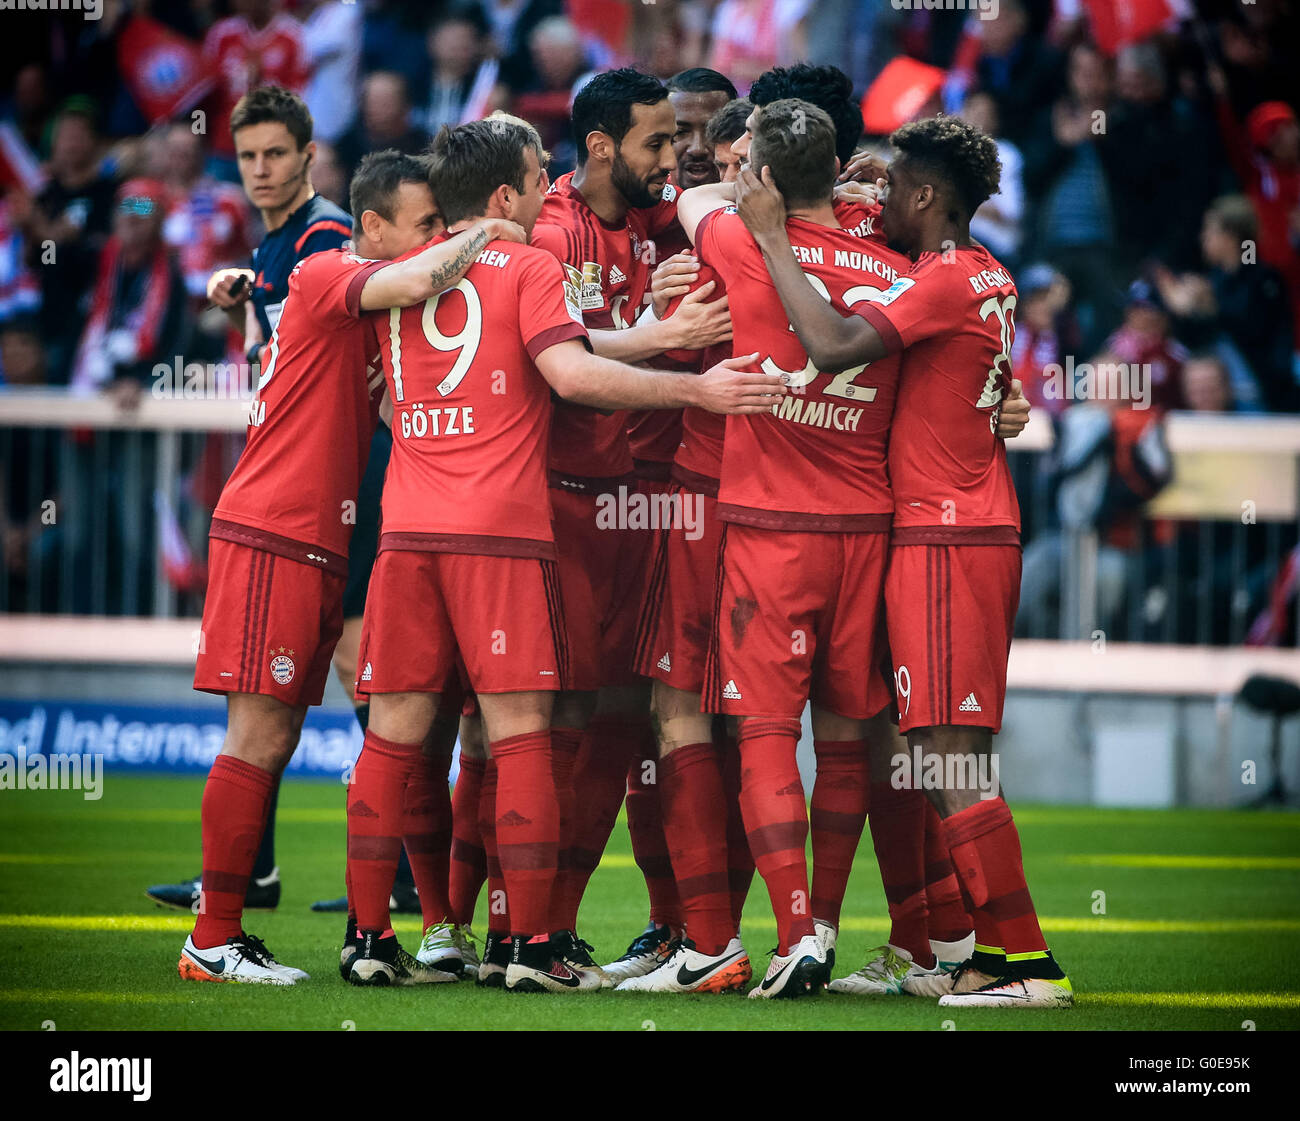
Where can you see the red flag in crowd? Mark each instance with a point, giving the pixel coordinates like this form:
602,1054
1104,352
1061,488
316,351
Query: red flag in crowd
164,71
1120,23
899,94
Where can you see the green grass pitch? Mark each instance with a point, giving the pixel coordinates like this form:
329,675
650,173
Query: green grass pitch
1201,911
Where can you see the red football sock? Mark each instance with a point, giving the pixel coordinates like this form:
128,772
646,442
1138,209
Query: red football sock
528,829
564,752
375,824
948,920
426,833
468,860
694,816
776,819
601,764
898,835
645,826
498,900
235,801
740,861
838,813
985,850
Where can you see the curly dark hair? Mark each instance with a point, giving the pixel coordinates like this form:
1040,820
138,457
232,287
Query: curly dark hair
827,87
954,152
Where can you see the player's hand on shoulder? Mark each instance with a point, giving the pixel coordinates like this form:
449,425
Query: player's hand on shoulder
758,202
672,277
1014,414
699,321
222,289
864,167
729,388
868,194
502,229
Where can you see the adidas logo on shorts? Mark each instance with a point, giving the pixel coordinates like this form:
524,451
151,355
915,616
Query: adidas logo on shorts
665,663
730,692
365,673
970,704
616,275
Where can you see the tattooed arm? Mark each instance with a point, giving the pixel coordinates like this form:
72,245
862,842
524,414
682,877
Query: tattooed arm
435,269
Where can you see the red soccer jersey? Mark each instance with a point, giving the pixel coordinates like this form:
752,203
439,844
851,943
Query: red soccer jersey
819,461
699,456
294,489
607,268
244,57
471,412
953,322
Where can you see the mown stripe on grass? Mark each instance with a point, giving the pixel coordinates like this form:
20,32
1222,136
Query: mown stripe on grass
1243,1001
1182,860
86,996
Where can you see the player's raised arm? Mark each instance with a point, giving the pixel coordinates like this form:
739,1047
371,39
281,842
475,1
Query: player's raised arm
437,268
588,379
833,342
694,204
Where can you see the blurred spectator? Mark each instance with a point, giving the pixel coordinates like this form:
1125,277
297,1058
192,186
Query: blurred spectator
259,45
208,223
29,107
385,122
1041,335
22,357
20,292
997,222
559,60
750,36
1206,386
512,23
1152,140
1065,170
394,39
1003,57
1144,341
138,316
327,175
1108,462
1266,158
331,37
65,226
464,85
1240,309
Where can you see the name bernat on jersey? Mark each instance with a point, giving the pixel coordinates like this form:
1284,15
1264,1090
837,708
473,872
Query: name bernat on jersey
985,279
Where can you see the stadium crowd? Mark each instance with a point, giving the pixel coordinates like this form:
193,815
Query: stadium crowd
1150,206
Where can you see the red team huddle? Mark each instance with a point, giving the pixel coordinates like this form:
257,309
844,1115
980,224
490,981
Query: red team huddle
629,529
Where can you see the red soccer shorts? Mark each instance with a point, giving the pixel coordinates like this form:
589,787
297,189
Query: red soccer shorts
950,611
798,617
502,616
677,611
602,565
270,625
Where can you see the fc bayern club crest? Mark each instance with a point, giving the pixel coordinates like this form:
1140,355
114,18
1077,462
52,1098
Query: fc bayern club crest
282,668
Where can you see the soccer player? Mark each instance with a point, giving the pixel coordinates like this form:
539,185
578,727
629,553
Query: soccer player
279,536
466,566
806,506
595,222
272,137
653,436
954,566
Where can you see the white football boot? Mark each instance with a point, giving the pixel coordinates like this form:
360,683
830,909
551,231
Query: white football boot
689,971
801,972
438,950
238,960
